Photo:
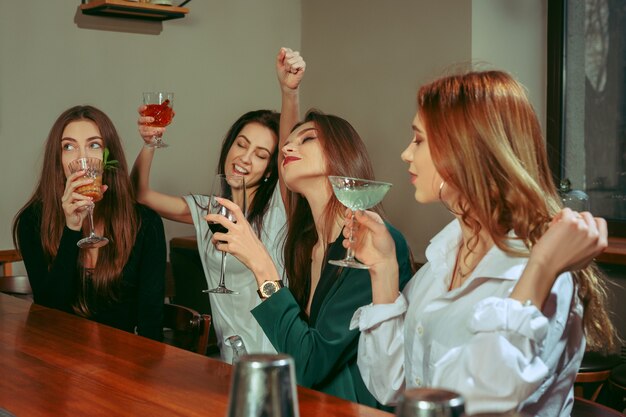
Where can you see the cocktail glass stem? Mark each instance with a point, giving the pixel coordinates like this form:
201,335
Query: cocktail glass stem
93,240
221,286
350,252
92,229
222,271
157,142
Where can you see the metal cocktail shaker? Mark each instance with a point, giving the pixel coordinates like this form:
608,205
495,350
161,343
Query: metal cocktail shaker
263,385
430,402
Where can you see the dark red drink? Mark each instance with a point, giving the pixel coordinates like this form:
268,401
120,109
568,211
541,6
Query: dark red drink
162,113
217,228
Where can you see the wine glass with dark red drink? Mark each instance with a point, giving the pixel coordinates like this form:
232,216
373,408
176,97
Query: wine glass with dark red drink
233,188
160,106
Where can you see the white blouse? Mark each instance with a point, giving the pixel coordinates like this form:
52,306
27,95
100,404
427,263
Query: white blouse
231,313
498,354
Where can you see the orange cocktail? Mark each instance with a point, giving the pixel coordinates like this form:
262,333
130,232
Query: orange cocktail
93,168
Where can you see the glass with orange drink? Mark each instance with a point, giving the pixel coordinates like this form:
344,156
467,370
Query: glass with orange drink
93,168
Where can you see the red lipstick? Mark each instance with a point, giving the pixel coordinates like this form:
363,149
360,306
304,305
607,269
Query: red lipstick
289,159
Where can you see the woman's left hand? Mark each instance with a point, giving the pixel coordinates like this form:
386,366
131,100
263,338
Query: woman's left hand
241,240
290,67
571,241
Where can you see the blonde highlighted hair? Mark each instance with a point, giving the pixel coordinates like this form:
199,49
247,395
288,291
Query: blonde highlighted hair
486,143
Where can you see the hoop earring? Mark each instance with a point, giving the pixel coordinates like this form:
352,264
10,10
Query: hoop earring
443,183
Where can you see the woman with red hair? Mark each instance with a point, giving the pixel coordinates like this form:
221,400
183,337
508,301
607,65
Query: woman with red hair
493,314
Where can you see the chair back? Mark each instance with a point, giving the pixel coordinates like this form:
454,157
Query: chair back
15,285
189,280
186,328
7,257
594,371
586,408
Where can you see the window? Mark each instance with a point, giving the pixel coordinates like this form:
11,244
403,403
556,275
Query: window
586,108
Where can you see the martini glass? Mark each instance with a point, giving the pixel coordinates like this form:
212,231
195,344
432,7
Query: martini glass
160,106
356,194
231,187
93,168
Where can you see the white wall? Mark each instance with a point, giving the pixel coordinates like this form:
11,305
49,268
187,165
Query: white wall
365,60
511,35
365,63
219,61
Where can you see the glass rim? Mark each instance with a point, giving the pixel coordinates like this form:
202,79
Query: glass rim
76,163
86,158
360,179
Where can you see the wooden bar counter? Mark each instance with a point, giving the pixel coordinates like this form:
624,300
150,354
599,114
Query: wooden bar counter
57,364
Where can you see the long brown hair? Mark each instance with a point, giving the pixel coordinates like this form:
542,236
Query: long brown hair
486,143
116,211
345,155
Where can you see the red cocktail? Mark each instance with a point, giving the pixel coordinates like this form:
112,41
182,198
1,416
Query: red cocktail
158,105
162,114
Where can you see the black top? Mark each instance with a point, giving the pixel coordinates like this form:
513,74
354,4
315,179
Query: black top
142,287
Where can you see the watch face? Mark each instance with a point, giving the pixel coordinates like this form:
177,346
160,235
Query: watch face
268,288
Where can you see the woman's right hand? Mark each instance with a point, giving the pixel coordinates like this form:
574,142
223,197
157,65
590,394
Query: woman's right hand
372,243
374,246
75,204
148,132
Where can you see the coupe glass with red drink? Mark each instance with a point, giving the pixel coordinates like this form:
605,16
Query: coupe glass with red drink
160,106
93,168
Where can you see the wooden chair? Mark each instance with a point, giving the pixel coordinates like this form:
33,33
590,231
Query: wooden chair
185,328
16,285
586,408
616,388
189,281
7,257
593,373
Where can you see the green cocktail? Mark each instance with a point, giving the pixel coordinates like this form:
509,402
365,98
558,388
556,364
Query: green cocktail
356,194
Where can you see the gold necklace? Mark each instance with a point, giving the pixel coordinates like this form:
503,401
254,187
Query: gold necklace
457,270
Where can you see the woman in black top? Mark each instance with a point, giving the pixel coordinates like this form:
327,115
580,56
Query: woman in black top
120,284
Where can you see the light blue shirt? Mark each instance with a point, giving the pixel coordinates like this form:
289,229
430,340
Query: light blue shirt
231,313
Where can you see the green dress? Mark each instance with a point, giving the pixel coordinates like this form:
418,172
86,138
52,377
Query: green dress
323,348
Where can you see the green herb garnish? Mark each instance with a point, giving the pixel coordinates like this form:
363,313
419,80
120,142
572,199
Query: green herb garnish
105,161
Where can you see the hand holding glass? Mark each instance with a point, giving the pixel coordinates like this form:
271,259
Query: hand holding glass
231,187
356,194
160,106
93,168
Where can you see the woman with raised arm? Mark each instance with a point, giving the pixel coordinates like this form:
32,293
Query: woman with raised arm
309,320
121,284
249,149
493,314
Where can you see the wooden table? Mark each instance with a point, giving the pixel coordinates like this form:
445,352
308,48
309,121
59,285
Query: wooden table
54,363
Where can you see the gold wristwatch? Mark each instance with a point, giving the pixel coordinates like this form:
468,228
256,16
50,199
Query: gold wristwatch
267,288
